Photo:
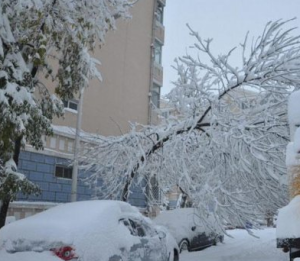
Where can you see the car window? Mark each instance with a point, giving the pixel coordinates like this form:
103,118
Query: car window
127,224
135,228
139,231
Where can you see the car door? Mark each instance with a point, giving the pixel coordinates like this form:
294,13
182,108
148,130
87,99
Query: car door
200,239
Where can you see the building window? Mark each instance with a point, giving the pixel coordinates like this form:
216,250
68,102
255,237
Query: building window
165,114
157,52
44,140
70,146
62,171
154,189
52,142
159,14
71,104
61,144
155,95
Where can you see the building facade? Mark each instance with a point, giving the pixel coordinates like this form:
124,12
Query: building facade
132,78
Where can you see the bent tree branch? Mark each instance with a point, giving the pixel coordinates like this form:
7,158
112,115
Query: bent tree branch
270,68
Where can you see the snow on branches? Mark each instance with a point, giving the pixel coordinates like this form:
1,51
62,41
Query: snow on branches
226,148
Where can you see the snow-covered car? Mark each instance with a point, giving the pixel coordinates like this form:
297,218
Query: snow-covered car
188,230
97,230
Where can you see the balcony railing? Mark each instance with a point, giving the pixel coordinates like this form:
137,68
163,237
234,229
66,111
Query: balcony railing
160,32
158,74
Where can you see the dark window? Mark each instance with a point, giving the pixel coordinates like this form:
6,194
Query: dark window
71,104
157,52
128,225
244,105
64,172
134,227
139,231
155,95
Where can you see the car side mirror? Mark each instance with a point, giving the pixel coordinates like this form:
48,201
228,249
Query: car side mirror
193,228
161,234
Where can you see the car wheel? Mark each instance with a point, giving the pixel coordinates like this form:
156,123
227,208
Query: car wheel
176,256
184,245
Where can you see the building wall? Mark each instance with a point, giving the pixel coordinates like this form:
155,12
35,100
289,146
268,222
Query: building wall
123,95
40,169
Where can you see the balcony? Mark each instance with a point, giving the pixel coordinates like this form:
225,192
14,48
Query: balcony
163,2
159,32
158,74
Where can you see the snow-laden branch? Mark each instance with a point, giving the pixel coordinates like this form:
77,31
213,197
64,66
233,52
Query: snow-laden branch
226,146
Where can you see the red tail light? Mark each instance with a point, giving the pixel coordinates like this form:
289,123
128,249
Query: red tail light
65,253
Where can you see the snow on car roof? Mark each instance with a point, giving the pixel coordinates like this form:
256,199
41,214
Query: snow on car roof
189,215
78,224
179,222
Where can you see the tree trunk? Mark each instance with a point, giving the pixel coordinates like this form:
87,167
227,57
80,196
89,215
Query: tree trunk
183,201
3,211
6,201
184,198
17,150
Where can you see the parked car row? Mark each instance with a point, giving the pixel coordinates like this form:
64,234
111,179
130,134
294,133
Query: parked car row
103,230
87,231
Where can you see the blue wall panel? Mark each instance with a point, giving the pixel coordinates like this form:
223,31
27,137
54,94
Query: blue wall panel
40,169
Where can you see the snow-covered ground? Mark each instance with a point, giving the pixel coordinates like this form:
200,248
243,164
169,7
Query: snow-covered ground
242,247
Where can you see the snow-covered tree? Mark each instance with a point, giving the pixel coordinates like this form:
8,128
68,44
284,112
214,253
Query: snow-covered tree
226,147
34,36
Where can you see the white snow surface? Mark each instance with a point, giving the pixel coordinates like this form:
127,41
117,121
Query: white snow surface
297,141
288,221
294,108
67,224
241,247
180,221
292,157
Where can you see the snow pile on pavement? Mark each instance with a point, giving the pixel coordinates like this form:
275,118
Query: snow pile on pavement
288,221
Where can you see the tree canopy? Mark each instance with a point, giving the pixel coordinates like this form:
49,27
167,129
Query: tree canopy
225,145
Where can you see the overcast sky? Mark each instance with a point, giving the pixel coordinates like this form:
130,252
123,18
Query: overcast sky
226,21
